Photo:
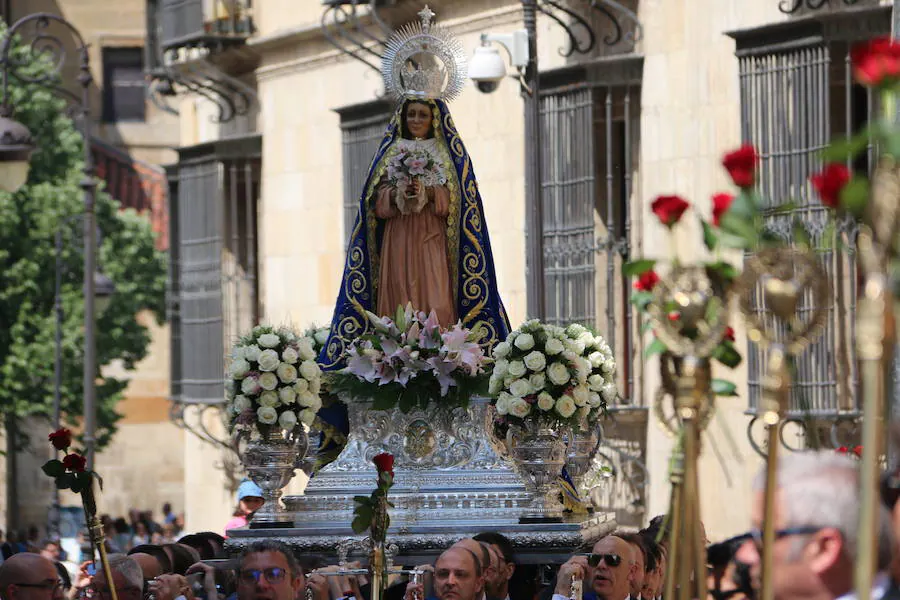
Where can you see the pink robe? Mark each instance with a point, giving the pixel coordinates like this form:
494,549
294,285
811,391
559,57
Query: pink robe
414,265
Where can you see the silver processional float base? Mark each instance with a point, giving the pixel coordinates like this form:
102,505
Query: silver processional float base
452,480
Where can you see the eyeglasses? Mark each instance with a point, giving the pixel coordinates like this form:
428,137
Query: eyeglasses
272,575
54,586
756,535
611,560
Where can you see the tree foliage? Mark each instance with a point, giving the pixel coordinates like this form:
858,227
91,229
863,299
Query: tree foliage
29,220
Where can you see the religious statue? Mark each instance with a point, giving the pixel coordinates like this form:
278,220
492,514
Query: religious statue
420,236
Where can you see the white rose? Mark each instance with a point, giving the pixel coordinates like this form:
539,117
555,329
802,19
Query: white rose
520,388
289,355
267,415
565,406
240,403
586,338
268,381
259,329
287,395
300,386
268,399
608,367
525,341
309,369
268,360
575,329
583,412
287,420
321,335
519,408
315,385
306,398
545,401
239,368
581,395
252,352
553,346
502,350
576,346
536,361
596,359
583,368
237,352
287,373
250,386
558,373
517,368
495,385
609,392
537,381
594,400
501,367
229,387
596,383
503,403
268,340
305,347
314,403
308,416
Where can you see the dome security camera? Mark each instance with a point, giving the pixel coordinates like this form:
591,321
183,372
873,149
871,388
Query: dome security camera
487,69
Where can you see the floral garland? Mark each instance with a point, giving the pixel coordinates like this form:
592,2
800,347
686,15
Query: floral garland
274,379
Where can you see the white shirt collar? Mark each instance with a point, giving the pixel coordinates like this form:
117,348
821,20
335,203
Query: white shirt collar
880,586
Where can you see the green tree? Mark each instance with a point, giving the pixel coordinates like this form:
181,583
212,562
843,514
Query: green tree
29,220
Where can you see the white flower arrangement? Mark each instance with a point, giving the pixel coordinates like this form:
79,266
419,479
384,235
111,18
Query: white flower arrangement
275,380
562,375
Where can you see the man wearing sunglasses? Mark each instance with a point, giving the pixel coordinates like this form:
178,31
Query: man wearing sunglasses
269,571
27,576
607,571
816,514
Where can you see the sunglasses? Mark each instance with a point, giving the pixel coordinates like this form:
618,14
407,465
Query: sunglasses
272,575
611,560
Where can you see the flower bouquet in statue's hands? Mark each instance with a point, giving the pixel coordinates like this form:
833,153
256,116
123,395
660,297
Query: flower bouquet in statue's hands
409,361
407,166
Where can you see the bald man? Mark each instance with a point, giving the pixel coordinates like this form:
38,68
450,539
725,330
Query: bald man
27,576
608,569
488,562
457,576
150,567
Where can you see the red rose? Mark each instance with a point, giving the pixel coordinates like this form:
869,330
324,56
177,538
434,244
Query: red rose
741,165
721,202
646,281
384,462
829,182
842,450
729,334
876,62
858,451
74,462
669,209
61,438
674,315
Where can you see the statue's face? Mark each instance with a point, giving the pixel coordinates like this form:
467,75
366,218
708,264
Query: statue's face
418,119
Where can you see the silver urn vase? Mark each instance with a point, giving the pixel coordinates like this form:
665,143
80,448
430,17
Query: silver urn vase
538,453
270,461
581,450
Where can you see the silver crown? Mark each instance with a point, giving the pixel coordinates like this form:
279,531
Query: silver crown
424,61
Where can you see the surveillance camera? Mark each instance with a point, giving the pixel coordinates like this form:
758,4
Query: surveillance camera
487,69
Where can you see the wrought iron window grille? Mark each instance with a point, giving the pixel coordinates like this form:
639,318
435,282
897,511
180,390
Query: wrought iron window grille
790,7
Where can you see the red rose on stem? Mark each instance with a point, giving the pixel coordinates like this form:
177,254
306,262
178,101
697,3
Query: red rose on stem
741,165
858,451
75,463
721,202
829,183
384,462
646,281
729,334
876,62
674,316
61,438
842,450
669,209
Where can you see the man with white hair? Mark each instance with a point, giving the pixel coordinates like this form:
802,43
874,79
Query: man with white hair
816,514
127,577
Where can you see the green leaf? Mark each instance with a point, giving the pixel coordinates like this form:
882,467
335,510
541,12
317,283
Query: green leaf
68,481
721,387
801,234
53,468
655,347
363,500
743,206
723,270
641,299
855,195
638,267
710,238
847,148
407,401
727,354
742,227
360,525
383,401
646,326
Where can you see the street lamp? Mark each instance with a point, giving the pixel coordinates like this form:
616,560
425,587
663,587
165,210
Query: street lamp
16,146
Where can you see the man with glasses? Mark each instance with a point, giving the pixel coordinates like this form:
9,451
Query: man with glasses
816,513
27,576
608,570
269,571
127,577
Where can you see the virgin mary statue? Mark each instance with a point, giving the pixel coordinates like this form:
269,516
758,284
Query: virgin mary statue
420,236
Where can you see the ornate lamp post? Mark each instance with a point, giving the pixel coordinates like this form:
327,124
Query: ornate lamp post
16,146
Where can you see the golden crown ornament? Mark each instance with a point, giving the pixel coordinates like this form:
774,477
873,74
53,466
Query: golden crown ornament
424,61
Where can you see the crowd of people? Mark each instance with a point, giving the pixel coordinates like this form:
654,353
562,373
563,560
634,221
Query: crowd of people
815,550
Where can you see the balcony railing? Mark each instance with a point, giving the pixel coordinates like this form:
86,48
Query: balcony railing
203,22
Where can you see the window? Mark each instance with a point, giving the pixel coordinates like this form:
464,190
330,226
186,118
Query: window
362,129
213,261
796,94
124,87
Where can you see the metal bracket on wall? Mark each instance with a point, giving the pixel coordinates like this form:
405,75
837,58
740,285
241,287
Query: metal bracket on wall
789,7
579,29
195,419
231,97
350,29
